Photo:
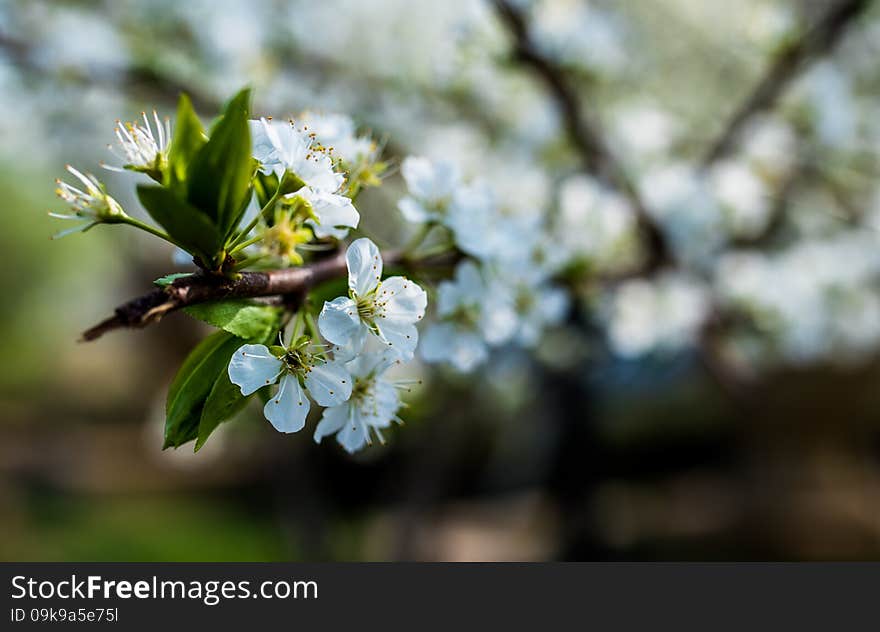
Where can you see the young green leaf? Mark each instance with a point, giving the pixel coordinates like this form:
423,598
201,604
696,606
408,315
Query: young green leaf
189,138
246,319
186,224
224,401
193,384
219,175
168,279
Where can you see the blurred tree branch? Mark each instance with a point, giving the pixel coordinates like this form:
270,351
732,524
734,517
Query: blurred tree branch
584,133
817,41
139,80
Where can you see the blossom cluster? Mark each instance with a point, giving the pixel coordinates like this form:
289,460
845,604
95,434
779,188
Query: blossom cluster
372,330
504,290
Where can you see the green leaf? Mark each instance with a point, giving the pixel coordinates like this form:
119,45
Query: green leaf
168,279
193,384
189,138
219,176
224,401
246,319
186,224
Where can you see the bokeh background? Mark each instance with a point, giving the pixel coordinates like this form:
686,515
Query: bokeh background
644,428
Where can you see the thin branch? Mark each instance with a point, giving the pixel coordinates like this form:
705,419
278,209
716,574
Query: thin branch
204,288
816,42
584,133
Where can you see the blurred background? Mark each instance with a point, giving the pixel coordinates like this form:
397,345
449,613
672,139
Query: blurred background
723,406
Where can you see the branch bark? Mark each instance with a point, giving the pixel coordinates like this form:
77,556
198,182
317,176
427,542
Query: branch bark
819,40
584,133
205,288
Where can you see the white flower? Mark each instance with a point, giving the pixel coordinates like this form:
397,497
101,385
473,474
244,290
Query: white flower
91,202
743,196
373,404
595,224
431,187
385,309
334,213
254,366
139,147
437,194
537,306
473,315
281,147
661,315
337,133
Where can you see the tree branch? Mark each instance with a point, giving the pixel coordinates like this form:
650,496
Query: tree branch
819,40
584,133
204,288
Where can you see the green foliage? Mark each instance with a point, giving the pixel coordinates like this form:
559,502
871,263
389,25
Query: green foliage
189,138
243,318
186,224
207,184
224,401
193,384
168,279
202,396
219,175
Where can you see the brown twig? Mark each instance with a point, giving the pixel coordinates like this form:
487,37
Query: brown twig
584,133
819,40
205,288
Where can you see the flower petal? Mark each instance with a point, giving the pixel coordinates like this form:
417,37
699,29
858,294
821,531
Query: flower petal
414,211
401,337
329,383
333,211
331,421
353,435
364,266
340,323
252,367
465,350
287,411
401,300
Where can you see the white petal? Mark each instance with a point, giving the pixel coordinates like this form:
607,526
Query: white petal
498,319
252,367
419,175
383,405
553,303
430,181
401,300
331,421
364,266
470,280
414,211
336,214
445,343
263,148
340,323
353,435
287,411
400,337
329,383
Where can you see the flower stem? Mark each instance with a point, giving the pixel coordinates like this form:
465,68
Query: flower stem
313,330
245,244
150,229
244,263
253,223
418,238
